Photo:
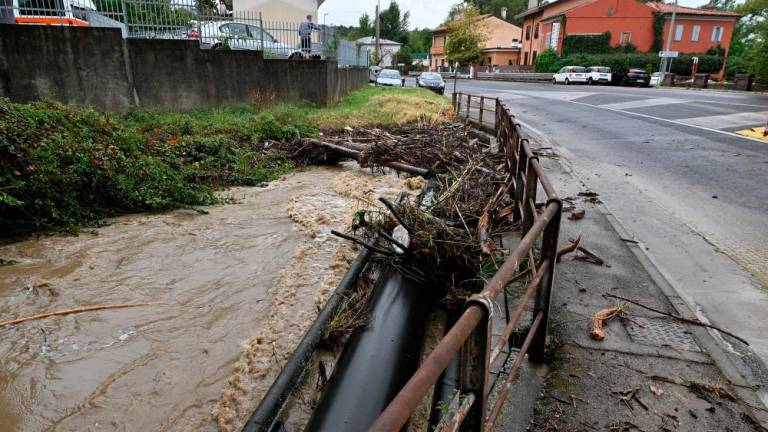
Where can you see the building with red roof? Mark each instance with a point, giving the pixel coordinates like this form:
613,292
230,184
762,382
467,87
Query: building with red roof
628,21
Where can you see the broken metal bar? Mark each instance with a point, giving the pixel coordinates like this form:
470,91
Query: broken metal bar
371,247
513,373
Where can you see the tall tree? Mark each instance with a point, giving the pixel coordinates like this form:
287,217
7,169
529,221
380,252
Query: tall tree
365,27
514,7
420,40
465,37
394,24
753,37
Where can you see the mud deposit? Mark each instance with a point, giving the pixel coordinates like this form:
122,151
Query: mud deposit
235,290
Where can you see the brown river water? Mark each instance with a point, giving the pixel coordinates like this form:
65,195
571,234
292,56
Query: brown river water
233,291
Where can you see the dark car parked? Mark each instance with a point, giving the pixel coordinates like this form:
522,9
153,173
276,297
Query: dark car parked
637,77
432,81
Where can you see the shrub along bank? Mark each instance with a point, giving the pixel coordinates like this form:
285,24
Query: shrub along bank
549,61
62,166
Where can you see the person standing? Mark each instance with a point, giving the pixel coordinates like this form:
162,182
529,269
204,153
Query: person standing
305,33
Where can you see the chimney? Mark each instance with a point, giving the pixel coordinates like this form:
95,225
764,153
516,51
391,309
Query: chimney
532,4
504,13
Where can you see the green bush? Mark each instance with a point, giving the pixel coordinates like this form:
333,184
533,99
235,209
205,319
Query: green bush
62,166
587,44
547,61
620,63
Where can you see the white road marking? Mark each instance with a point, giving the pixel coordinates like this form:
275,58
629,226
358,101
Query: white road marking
642,103
742,119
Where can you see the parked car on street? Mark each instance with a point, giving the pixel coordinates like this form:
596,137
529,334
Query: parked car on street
431,80
240,36
655,78
598,75
570,74
637,77
390,77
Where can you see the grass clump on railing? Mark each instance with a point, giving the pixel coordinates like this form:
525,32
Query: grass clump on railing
64,166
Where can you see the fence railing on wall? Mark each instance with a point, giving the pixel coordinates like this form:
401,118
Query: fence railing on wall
213,25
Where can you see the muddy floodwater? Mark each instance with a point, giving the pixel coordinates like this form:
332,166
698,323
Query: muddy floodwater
232,291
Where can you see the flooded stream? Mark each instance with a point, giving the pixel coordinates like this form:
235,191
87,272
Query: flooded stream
232,291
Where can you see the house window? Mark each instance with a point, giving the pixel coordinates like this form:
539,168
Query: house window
610,11
525,58
533,58
509,62
695,33
445,39
625,38
489,61
536,31
679,32
527,32
717,34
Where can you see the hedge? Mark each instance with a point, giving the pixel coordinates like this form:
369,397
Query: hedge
587,44
620,63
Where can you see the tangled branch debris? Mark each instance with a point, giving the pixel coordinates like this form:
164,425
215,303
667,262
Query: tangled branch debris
452,229
601,317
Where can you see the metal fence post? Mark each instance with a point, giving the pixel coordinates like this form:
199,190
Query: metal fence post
475,356
544,293
529,193
469,103
261,35
482,107
125,16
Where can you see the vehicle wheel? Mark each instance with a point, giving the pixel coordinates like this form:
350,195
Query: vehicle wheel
554,81
295,56
567,82
217,46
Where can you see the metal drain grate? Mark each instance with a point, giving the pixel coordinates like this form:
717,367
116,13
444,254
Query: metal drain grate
661,332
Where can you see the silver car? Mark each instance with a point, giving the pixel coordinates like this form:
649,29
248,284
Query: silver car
240,36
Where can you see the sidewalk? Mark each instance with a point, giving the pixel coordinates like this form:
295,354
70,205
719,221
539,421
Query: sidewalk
650,373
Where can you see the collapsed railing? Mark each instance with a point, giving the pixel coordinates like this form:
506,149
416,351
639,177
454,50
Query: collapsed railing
478,109
472,332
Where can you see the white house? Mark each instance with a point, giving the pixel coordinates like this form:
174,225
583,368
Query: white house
286,11
388,49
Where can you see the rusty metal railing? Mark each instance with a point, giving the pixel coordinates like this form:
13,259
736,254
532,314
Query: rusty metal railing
540,226
479,109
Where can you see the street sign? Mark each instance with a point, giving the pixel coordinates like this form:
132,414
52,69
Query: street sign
668,54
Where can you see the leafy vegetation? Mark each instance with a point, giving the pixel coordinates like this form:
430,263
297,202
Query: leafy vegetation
587,44
62,166
494,7
465,37
620,62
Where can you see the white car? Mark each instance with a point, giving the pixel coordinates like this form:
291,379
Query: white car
598,74
390,77
570,74
655,79
239,36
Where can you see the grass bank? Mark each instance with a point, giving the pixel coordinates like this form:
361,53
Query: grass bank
62,166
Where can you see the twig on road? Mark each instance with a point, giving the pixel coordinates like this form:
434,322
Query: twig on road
678,317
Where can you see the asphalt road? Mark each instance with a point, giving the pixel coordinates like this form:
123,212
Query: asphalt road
667,165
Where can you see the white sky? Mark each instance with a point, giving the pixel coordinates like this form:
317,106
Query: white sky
424,13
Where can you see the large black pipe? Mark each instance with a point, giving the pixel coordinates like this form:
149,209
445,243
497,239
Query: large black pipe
379,359
265,416
449,380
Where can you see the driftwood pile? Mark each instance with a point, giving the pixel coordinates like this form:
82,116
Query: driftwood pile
451,229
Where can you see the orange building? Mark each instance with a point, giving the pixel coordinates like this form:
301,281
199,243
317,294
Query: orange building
628,21
502,46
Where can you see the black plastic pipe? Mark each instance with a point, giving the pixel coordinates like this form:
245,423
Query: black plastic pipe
448,382
379,359
266,415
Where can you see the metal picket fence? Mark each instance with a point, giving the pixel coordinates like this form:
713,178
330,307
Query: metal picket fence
210,23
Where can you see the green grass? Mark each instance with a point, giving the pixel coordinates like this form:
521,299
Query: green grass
63,166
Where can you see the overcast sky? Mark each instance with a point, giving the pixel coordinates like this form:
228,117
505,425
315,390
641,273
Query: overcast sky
424,13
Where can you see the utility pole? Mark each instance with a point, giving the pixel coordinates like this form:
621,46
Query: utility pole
377,47
666,62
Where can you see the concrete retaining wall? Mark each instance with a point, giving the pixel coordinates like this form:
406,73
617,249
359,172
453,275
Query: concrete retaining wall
95,66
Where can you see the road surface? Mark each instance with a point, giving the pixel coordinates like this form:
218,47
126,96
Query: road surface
666,163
